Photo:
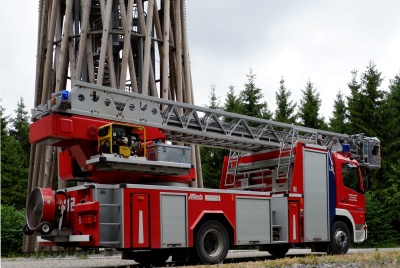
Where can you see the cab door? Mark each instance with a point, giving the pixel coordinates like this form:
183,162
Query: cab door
350,191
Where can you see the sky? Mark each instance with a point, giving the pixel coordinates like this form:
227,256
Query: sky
298,40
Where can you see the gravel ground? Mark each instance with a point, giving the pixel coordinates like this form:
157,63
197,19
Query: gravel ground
115,260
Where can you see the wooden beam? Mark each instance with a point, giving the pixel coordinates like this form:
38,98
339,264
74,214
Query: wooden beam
72,61
147,46
165,57
49,53
127,22
178,53
61,70
186,61
131,63
41,50
85,5
106,16
90,61
157,26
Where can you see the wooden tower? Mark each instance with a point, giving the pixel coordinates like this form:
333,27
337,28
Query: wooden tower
132,45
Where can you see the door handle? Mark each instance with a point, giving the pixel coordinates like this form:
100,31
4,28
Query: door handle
344,200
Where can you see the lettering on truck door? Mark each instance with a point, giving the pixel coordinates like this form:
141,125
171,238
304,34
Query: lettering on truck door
351,196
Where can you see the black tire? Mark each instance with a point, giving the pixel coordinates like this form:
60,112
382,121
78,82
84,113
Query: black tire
45,228
26,230
340,238
277,250
212,242
147,258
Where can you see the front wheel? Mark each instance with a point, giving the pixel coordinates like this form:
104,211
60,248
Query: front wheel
212,242
340,238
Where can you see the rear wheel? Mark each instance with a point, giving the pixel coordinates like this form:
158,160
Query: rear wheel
212,242
340,238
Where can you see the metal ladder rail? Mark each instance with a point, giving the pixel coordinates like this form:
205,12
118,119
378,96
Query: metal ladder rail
234,157
112,104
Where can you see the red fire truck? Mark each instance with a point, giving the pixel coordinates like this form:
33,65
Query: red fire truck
281,185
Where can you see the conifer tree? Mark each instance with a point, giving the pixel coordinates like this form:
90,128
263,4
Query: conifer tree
309,108
20,129
232,103
391,121
212,158
365,102
251,99
14,170
285,111
338,122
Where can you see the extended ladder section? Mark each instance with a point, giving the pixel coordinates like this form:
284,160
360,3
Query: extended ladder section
192,124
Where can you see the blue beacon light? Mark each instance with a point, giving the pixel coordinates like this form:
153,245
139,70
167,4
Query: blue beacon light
346,148
64,95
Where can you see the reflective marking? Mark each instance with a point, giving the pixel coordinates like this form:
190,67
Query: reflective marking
216,198
141,233
294,228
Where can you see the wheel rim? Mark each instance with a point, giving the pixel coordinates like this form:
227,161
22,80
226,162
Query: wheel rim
45,228
340,238
213,243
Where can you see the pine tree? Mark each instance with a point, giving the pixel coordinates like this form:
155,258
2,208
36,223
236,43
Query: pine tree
285,111
14,170
391,117
251,97
338,122
309,108
20,129
212,158
394,102
232,103
365,102
214,100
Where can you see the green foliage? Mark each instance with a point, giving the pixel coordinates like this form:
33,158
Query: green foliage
376,113
20,128
251,99
12,221
14,167
365,102
392,114
309,108
380,231
232,103
212,158
285,111
338,122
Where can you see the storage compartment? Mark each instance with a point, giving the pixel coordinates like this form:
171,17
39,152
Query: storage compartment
168,153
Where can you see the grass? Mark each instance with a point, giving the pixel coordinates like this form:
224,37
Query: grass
380,259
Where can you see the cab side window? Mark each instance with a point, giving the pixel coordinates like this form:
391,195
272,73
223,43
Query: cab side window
350,177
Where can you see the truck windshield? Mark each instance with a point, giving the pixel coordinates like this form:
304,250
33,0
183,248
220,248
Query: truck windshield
350,177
